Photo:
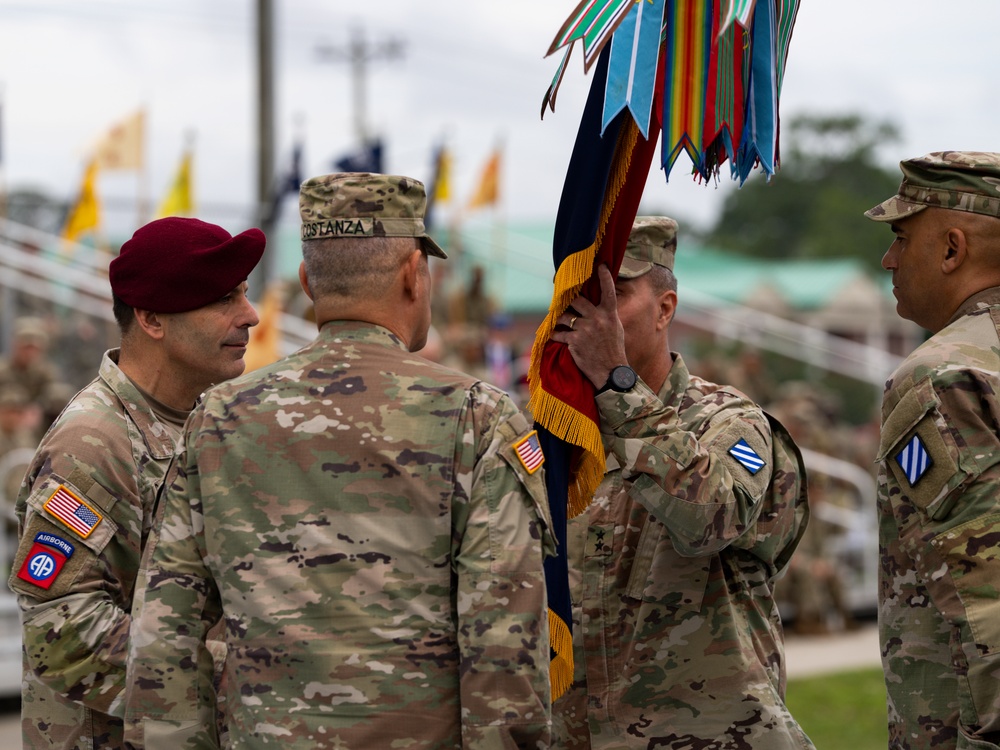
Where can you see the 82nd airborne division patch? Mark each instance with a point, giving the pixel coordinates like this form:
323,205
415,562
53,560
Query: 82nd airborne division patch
45,560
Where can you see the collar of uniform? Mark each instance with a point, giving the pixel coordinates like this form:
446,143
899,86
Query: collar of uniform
676,383
978,301
356,330
156,434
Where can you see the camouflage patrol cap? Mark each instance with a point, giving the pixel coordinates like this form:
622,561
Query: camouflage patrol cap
959,180
652,241
361,204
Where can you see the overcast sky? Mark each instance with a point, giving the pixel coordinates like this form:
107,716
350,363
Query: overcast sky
471,72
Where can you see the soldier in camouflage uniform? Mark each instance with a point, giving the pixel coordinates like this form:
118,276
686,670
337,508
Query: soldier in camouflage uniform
939,458
86,506
677,639
370,525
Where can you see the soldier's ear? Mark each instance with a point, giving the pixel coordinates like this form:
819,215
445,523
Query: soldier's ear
412,273
956,252
149,322
304,281
668,306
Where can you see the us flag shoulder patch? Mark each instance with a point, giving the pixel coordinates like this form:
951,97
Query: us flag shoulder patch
72,511
748,459
914,460
529,452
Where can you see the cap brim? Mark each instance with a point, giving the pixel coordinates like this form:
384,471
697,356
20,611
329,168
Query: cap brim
432,247
894,209
633,269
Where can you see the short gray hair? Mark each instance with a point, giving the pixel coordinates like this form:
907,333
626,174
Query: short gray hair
354,267
662,279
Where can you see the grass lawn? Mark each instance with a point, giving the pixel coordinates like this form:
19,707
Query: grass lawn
843,711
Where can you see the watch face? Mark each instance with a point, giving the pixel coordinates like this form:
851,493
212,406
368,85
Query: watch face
623,378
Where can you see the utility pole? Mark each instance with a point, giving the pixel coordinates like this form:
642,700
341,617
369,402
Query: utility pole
264,272
358,53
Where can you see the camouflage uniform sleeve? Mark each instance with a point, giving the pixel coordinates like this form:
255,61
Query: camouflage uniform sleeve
75,626
170,696
705,488
940,468
501,531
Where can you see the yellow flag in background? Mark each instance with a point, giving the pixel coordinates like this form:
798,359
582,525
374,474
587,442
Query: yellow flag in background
179,201
442,182
488,192
85,215
265,337
121,147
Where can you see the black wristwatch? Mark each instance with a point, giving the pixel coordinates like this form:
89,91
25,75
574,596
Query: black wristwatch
621,379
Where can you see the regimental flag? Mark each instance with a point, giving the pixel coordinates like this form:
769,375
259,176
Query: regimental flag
179,200
725,61
439,189
289,183
593,22
487,191
72,511
604,182
265,338
121,147
365,158
689,28
85,214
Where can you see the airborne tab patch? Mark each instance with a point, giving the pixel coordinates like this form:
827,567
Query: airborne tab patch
914,460
45,560
529,452
746,456
72,511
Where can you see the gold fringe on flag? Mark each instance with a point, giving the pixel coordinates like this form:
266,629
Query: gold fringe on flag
561,666
559,418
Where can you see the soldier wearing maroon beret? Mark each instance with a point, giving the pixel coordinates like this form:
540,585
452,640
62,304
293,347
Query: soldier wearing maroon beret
85,508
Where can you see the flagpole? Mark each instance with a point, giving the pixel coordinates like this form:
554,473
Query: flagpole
142,208
499,229
3,180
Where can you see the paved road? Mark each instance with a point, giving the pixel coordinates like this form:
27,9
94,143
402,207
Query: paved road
806,656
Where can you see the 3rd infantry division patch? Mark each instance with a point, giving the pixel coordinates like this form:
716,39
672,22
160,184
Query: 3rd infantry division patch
914,460
746,456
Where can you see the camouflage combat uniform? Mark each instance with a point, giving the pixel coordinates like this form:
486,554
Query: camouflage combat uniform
83,516
939,509
361,519
677,640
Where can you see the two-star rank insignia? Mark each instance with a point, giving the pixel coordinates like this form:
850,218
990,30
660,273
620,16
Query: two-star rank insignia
746,456
46,558
529,452
914,460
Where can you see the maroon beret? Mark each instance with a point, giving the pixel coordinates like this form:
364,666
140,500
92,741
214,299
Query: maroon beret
177,264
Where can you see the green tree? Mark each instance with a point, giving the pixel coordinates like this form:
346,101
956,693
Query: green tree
813,206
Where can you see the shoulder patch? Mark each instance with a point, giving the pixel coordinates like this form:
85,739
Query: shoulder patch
45,560
746,456
529,452
914,460
73,512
